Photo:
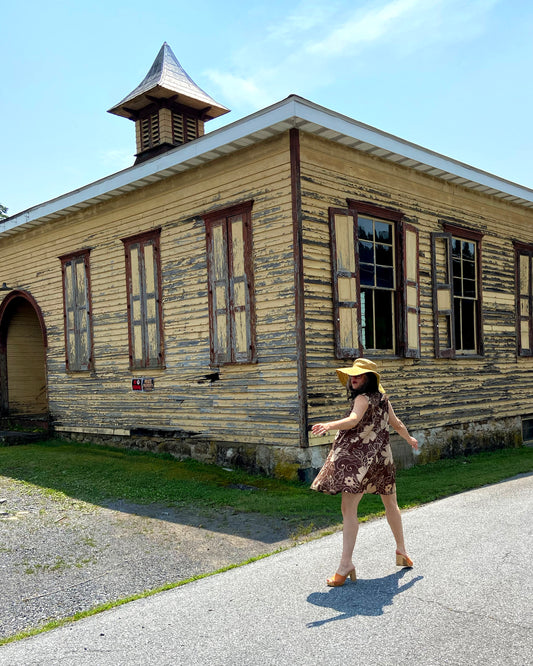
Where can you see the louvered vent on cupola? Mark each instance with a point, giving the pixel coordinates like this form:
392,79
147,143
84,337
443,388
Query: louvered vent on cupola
168,108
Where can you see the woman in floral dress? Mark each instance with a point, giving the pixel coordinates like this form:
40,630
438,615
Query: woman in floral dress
360,460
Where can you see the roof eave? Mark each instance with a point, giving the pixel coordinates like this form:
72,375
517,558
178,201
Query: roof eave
291,112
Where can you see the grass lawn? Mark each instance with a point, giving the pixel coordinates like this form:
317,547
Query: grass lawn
98,475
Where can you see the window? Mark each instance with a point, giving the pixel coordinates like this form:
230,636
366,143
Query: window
143,281
230,285
527,429
77,311
375,281
456,291
524,298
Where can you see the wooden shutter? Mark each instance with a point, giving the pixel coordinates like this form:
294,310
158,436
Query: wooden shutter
411,292
230,285
78,329
345,267
217,248
443,294
145,316
524,303
151,304
239,293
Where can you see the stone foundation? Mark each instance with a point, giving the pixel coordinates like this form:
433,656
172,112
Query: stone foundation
463,439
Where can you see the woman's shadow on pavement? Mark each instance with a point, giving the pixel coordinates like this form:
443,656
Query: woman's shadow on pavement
366,597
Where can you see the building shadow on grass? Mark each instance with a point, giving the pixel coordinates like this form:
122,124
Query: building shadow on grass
367,597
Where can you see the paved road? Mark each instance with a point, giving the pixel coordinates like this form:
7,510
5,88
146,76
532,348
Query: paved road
468,601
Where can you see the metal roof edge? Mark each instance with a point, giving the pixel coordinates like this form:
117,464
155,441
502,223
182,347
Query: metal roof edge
293,111
366,133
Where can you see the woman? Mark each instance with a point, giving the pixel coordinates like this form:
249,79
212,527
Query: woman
360,460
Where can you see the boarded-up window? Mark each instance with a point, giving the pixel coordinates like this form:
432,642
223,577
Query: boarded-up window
230,282
411,292
376,300
143,280
524,298
77,311
456,291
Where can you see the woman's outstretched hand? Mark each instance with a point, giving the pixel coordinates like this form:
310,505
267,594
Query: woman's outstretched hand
320,428
413,442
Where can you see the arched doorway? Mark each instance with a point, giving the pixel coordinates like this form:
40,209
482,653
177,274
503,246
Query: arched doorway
23,343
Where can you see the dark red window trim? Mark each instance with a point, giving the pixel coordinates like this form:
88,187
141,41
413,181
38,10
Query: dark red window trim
223,215
527,250
390,215
466,233
154,236
65,258
375,211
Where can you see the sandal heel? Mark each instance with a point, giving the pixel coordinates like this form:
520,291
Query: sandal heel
337,580
403,560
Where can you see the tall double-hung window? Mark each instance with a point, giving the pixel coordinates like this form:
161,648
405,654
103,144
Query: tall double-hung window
524,298
230,285
145,317
456,266
77,311
375,282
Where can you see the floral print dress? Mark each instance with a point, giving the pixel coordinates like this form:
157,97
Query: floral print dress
360,460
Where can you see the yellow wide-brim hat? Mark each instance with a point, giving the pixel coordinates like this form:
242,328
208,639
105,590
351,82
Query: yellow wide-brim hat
360,367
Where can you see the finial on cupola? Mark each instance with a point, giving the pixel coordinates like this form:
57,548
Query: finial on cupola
168,108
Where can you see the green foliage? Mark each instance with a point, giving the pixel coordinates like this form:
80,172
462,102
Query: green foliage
3,212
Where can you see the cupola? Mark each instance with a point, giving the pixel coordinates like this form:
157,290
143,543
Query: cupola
168,108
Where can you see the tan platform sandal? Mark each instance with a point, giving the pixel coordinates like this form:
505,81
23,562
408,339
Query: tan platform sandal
403,560
337,580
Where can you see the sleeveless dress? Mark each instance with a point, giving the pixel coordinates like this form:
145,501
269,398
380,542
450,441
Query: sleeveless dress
360,460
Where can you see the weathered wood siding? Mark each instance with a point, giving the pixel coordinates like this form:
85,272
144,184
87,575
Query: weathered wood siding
250,403
429,392
254,404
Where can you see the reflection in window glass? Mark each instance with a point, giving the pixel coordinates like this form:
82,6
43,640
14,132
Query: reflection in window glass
377,280
464,269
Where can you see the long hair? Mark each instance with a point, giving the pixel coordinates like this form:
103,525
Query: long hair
370,386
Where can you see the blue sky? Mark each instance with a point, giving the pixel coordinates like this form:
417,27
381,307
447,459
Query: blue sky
450,75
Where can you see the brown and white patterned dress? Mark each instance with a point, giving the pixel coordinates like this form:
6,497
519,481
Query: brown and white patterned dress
360,460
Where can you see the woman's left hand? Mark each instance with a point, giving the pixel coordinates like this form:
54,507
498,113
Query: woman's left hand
320,428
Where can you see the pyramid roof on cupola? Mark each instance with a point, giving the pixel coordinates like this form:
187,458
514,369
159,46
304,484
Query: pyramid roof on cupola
167,79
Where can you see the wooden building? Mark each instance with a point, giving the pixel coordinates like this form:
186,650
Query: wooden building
200,301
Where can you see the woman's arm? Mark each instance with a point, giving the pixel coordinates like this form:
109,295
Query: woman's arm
360,406
401,429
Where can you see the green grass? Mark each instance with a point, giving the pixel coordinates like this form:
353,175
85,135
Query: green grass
99,475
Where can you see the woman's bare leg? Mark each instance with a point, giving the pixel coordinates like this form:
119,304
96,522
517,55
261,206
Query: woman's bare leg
350,527
394,518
